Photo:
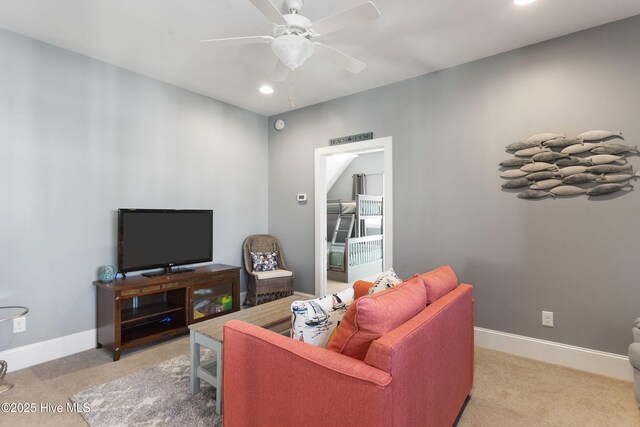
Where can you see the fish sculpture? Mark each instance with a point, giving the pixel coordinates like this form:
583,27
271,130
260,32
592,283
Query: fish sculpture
513,162
599,190
581,148
513,173
615,149
561,142
573,161
528,152
598,135
522,145
572,170
542,137
601,159
545,184
567,190
549,157
534,194
538,166
609,169
579,178
516,183
539,176
616,177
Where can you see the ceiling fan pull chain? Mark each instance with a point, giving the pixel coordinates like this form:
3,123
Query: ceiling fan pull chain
291,103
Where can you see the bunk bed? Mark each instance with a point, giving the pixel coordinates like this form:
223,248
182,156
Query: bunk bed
355,249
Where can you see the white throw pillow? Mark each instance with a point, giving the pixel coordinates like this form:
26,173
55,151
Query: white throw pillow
386,280
313,321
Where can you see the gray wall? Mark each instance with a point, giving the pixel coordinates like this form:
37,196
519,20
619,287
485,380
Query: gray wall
371,164
576,257
79,139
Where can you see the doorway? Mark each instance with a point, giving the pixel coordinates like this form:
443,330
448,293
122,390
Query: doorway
320,203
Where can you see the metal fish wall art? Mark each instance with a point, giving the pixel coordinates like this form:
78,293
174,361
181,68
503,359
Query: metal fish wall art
573,161
551,156
522,145
561,142
545,184
538,166
609,169
513,173
601,159
599,135
568,190
579,178
539,176
602,189
528,152
550,164
572,170
615,149
581,148
534,194
542,137
515,162
516,183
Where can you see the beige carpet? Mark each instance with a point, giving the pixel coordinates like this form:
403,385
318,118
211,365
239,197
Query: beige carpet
509,391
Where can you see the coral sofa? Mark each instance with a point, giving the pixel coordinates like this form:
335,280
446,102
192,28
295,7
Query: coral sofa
418,374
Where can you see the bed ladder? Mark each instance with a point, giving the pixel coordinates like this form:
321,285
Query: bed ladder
343,230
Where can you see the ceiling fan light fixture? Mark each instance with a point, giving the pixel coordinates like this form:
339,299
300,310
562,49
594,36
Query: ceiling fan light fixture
266,90
292,50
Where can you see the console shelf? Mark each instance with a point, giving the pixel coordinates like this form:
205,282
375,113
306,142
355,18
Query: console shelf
140,310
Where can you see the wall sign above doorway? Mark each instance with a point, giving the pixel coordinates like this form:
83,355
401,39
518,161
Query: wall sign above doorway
352,138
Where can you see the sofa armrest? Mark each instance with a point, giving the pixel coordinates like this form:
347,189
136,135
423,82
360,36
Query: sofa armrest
269,379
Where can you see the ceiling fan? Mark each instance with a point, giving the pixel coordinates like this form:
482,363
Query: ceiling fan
293,33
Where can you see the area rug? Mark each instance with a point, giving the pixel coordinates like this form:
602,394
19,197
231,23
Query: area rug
157,396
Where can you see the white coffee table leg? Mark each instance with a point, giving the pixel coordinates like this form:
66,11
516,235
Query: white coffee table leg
194,381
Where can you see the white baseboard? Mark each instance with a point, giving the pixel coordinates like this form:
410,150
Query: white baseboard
584,359
40,352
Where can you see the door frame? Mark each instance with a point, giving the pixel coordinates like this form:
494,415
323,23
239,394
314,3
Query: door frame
320,202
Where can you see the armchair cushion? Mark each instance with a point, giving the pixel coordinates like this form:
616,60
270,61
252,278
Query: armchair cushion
439,282
274,274
374,315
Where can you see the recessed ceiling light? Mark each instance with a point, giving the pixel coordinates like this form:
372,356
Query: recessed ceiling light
523,2
266,90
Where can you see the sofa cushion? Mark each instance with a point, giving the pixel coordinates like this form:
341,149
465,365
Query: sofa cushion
385,280
264,261
372,316
360,288
313,321
439,282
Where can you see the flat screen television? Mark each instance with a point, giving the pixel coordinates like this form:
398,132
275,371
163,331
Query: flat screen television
163,238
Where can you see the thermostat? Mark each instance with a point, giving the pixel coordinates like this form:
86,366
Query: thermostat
279,124
301,197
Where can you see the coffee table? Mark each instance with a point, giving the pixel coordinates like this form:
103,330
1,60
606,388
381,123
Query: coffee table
275,316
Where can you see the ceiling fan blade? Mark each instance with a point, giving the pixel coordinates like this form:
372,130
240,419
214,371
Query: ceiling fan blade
365,12
269,10
347,62
231,41
280,72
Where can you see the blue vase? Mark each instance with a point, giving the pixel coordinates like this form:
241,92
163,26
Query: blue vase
106,273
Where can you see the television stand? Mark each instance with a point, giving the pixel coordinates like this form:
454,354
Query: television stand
138,310
169,270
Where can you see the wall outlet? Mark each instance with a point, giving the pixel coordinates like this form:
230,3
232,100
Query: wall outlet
547,318
19,324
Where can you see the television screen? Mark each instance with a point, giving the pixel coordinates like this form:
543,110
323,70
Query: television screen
151,238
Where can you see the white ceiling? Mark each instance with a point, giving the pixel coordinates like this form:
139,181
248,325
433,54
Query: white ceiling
159,38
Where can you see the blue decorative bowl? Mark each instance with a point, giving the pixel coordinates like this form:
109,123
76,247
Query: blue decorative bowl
106,273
